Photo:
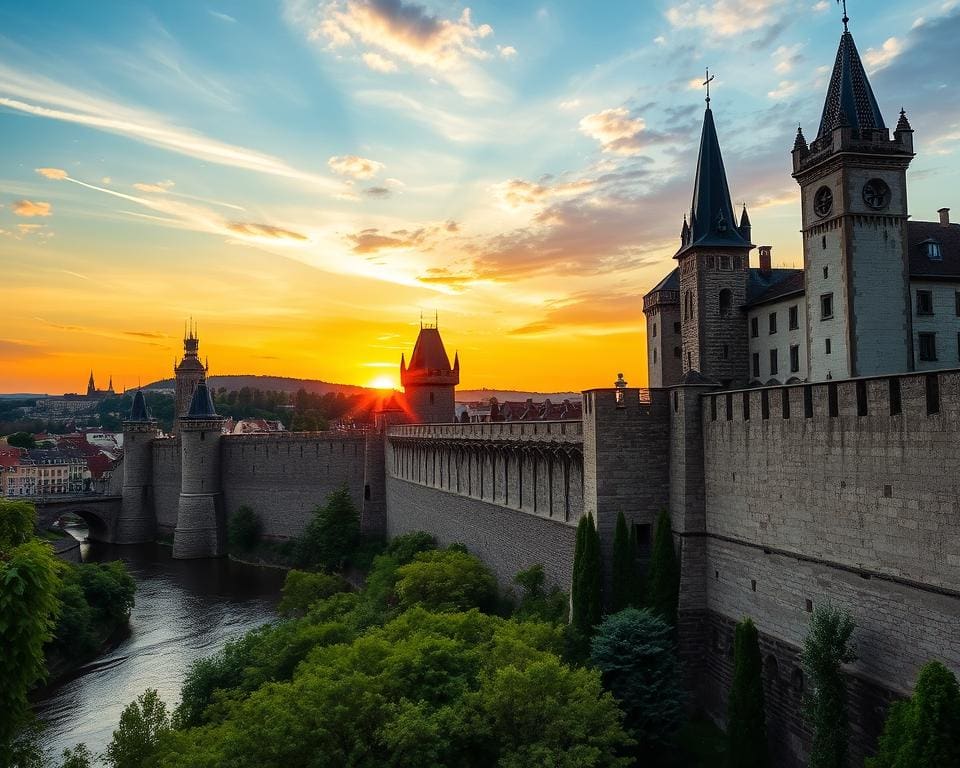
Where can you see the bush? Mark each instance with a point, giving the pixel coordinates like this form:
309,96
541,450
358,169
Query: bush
624,593
663,576
746,723
446,580
301,589
244,529
586,595
635,653
537,603
109,590
75,636
403,548
332,534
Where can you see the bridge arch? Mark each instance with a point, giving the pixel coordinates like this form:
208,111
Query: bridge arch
100,514
100,529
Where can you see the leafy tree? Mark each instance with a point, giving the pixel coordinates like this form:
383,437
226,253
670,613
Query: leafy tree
332,534
301,589
29,585
446,580
143,724
75,635
109,589
923,731
636,655
746,722
663,575
21,440
624,583
535,601
825,650
404,547
78,757
243,529
586,608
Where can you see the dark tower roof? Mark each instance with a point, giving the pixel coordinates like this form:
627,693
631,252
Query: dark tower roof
850,101
429,363
139,411
201,406
712,220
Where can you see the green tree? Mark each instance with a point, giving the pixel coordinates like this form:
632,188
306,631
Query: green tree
332,534
78,757
746,721
825,650
636,655
923,731
624,581
301,589
404,547
243,529
21,440
537,602
586,596
663,575
446,580
143,725
29,585
75,635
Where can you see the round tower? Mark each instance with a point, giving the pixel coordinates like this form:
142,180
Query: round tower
137,521
201,528
188,373
429,382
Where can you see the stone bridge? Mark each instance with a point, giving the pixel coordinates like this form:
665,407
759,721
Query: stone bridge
99,512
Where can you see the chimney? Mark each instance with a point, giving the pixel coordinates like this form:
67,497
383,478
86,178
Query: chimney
765,255
944,217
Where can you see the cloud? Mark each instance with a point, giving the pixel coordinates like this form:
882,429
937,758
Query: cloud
264,230
354,166
725,18
784,89
378,192
223,17
569,104
447,277
516,193
145,334
787,57
160,187
878,58
106,181
507,51
29,209
14,349
373,240
616,130
52,173
378,63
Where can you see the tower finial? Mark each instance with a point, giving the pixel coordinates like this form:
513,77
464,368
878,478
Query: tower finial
845,17
707,85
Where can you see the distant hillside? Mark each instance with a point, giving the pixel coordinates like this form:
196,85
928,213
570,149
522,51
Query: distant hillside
268,384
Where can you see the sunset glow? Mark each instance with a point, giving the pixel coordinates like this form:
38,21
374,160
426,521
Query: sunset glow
306,179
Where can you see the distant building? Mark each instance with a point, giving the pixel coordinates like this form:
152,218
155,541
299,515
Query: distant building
255,426
73,404
519,410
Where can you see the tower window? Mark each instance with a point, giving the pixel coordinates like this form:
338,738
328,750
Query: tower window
773,322
725,262
773,362
924,302
794,315
826,346
755,321
826,270
654,356
823,243
725,302
928,346
756,365
654,331
794,358
826,306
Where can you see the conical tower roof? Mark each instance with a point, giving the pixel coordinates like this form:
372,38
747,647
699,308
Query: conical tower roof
139,411
429,363
712,220
201,406
850,101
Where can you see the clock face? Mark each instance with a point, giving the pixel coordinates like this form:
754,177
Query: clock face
823,202
876,194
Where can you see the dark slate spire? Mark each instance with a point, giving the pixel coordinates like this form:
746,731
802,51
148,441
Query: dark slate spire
712,220
850,100
745,227
201,406
800,142
903,124
139,411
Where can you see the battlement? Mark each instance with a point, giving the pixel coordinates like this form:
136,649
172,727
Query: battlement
266,437
493,431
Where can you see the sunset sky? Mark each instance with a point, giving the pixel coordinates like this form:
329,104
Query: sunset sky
306,178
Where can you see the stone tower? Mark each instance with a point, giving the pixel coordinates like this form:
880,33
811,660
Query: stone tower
853,190
91,386
201,528
429,382
188,373
661,306
714,263
137,521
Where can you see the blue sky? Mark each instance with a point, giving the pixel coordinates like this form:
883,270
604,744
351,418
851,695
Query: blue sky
306,177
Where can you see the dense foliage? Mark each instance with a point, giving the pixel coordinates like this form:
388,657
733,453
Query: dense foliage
924,730
301,589
585,594
143,725
825,650
662,589
446,580
636,655
243,529
332,535
746,722
624,588
539,603
22,440
29,585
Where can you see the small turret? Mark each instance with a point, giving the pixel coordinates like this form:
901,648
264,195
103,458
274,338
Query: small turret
903,134
745,227
429,381
136,522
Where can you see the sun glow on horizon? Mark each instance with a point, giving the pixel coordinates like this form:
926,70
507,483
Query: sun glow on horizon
383,382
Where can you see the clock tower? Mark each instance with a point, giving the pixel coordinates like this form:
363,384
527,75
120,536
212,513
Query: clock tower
853,186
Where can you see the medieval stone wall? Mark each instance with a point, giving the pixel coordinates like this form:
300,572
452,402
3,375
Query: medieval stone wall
166,482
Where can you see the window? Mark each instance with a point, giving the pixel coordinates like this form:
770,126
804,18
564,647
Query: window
794,358
924,302
725,262
826,346
933,251
725,302
726,352
773,362
826,270
773,322
826,306
756,365
654,332
794,314
654,355
676,327
755,321
928,346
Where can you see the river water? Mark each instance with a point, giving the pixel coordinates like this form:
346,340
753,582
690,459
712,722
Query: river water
185,609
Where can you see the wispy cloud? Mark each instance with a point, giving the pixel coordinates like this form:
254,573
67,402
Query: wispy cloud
264,230
878,58
726,18
222,17
160,187
29,208
354,166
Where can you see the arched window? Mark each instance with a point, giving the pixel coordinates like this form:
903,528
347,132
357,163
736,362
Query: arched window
725,300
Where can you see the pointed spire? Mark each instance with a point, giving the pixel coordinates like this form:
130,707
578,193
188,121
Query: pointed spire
903,124
684,231
456,360
745,228
403,363
90,381
800,142
139,411
850,101
712,220
201,404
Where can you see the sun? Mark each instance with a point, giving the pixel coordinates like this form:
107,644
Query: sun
383,382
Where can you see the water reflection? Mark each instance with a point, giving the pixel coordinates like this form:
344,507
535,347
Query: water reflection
185,609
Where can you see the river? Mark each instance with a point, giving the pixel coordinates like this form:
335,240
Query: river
185,609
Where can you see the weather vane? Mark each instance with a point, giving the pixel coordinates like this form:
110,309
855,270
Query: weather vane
707,84
845,17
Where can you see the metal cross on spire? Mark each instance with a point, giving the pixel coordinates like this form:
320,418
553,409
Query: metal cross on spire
845,17
707,85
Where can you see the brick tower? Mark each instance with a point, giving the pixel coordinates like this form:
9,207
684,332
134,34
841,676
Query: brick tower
188,374
137,521
429,382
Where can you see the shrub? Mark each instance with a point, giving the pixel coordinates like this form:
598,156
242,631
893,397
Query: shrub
403,548
535,601
446,580
586,579
244,529
332,534
746,723
663,575
635,653
623,592
301,589
109,590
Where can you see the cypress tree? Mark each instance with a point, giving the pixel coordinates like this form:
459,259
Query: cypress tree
746,724
662,591
624,584
585,593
